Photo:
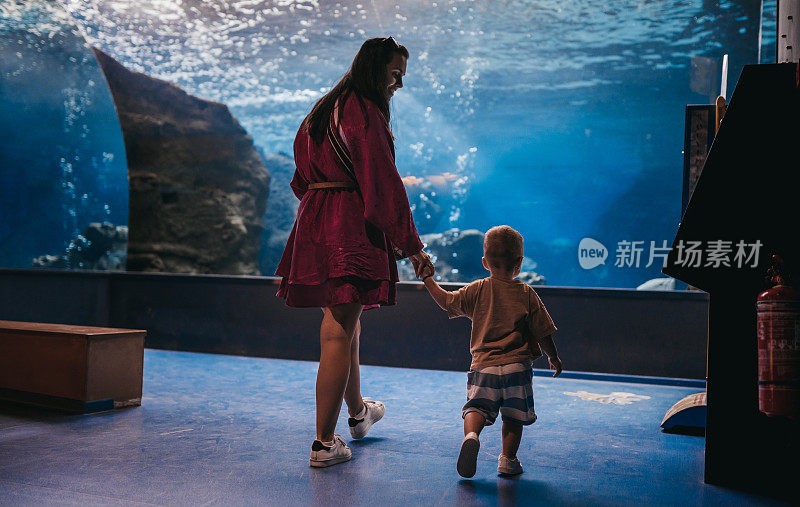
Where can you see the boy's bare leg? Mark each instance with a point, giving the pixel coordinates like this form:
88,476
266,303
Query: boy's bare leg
336,333
512,435
352,393
473,421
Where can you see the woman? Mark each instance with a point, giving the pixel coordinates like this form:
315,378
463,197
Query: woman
352,224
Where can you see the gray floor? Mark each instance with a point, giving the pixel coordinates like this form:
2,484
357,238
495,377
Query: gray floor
237,430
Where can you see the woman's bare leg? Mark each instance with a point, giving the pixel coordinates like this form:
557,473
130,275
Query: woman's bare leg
336,333
352,393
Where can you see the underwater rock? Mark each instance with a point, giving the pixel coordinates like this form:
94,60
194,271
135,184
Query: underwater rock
456,253
457,256
100,247
658,284
50,262
281,210
198,189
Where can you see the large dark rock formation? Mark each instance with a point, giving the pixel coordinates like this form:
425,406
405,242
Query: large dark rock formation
198,189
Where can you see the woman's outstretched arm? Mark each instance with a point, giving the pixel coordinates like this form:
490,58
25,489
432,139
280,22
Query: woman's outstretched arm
385,199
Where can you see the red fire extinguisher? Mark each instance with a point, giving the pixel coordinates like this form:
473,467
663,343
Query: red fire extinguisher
779,346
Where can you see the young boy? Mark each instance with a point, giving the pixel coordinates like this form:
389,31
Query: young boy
510,328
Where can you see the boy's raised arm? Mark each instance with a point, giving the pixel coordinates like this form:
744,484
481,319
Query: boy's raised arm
458,303
437,293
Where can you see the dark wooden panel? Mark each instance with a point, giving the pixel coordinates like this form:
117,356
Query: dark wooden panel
51,329
600,330
50,365
58,362
114,369
746,192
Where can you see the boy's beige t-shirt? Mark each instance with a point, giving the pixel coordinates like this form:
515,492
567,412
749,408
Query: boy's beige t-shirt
507,317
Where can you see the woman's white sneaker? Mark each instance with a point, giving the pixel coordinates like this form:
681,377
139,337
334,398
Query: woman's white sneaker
323,455
372,413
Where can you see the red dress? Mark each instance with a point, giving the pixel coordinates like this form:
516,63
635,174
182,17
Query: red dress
341,247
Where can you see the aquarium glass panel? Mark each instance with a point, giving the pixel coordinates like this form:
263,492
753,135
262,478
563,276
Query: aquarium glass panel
564,120
768,51
63,174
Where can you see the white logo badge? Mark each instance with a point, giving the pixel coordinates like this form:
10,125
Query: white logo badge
591,253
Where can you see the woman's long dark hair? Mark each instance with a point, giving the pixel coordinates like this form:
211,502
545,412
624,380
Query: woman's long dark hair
365,79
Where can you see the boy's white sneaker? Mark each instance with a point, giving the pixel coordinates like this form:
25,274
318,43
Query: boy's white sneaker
506,466
326,455
468,456
372,413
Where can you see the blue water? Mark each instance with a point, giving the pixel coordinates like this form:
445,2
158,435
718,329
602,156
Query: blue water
561,119
62,157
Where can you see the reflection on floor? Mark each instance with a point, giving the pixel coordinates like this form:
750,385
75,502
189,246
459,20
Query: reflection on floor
238,430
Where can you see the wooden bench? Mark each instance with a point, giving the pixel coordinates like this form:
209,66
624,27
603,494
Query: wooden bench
76,368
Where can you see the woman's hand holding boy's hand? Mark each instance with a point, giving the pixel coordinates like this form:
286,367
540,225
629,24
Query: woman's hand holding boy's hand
555,364
427,270
420,260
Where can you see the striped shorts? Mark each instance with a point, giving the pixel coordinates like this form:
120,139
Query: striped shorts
507,389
